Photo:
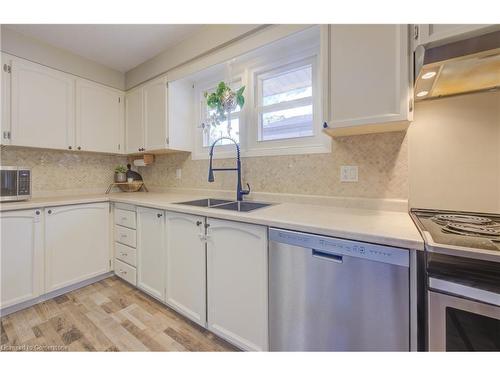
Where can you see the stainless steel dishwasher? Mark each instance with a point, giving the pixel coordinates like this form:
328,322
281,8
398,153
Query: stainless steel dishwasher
330,294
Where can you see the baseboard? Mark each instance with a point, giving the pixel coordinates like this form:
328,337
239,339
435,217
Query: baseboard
55,293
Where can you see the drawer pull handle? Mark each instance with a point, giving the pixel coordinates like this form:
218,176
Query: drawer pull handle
123,272
123,235
124,254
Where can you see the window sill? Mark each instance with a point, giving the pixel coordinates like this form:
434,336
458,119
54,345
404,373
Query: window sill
274,151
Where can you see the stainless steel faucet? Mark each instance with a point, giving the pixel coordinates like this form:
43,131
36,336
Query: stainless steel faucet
239,191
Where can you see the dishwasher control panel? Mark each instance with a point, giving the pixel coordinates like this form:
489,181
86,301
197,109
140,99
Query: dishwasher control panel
338,246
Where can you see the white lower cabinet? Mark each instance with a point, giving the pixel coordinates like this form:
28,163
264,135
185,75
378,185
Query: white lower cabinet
151,265
21,256
186,265
76,243
237,283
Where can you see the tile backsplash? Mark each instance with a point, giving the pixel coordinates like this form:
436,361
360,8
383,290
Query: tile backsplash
381,159
63,172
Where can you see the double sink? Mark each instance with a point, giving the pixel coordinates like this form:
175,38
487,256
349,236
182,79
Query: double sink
223,204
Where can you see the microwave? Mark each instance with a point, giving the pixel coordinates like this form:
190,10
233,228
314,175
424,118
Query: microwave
15,183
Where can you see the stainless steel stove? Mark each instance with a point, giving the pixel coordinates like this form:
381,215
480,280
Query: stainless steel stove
462,256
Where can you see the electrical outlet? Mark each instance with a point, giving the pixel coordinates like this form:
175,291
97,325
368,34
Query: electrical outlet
349,173
178,173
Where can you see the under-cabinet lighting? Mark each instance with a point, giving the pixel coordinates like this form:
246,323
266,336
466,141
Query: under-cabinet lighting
422,93
428,75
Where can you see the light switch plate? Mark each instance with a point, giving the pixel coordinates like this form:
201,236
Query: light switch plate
349,173
178,173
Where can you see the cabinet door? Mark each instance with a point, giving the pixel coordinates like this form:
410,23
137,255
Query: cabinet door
5,100
99,117
186,265
237,283
77,243
21,256
429,33
42,106
151,265
370,78
134,125
155,114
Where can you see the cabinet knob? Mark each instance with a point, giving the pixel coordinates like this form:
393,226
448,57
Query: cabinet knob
70,148
37,212
198,223
79,148
49,212
159,215
325,125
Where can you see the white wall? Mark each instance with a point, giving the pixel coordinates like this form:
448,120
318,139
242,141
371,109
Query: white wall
40,52
454,153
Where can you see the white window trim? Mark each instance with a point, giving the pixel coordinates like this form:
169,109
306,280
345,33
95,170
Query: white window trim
222,151
249,116
318,142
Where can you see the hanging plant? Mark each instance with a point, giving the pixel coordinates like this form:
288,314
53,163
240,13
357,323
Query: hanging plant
224,100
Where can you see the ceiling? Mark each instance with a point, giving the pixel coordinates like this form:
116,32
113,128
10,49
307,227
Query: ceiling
121,47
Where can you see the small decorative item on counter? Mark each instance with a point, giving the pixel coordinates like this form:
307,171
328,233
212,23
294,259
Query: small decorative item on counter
120,173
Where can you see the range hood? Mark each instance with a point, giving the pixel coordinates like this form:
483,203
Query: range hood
466,66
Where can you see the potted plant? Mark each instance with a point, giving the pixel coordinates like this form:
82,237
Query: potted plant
120,173
224,100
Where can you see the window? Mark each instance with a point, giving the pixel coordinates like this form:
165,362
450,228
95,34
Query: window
285,102
284,96
213,131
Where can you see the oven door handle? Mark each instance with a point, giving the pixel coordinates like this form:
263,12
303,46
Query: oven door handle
461,290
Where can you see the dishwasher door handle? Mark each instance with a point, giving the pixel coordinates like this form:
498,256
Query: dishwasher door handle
327,256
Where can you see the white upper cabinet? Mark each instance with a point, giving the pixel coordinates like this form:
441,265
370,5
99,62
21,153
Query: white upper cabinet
99,117
151,251
434,33
42,106
77,243
21,255
186,265
237,283
370,79
155,115
134,121
149,125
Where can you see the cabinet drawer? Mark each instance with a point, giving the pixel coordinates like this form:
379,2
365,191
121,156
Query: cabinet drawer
125,218
125,236
126,272
125,253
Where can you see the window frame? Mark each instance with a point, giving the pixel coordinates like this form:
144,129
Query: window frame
261,109
223,151
251,145
316,143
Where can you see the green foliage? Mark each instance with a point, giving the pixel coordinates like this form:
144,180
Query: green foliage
216,100
120,169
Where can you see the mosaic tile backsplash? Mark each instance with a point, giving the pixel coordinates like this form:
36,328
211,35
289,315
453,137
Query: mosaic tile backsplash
63,172
382,161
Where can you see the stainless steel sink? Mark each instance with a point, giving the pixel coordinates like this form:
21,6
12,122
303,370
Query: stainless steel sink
208,202
244,206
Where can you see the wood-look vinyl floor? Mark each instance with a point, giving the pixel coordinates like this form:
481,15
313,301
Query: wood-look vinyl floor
109,315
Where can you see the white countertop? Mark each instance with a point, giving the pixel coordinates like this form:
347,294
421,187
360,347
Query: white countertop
376,226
